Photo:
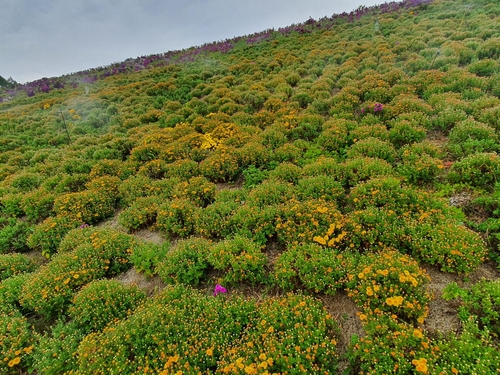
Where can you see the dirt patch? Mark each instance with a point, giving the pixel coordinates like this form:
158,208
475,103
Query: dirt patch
151,285
112,223
443,314
150,236
344,311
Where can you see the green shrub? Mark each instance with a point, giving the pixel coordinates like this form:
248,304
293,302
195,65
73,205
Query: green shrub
10,293
481,170
183,321
469,137
418,165
322,187
482,303
186,262
391,283
474,351
404,133
373,148
197,189
14,264
453,247
50,290
48,234
369,131
142,213
14,234
146,256
10,205
286,172
221,166
38,205
239,259
16,344
177,217
214,220
312,267
101,302
254,222
292,334
307,221
270,193
55,352
356,170
183,169
483,68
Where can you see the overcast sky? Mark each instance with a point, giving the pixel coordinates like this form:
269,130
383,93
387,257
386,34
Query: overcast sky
47,38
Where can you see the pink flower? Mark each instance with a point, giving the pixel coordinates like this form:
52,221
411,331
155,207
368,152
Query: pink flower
219,289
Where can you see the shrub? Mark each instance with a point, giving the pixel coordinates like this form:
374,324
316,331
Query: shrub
322,187
186,263
38,205
286,172
142,213
404,133
292,334
55,352
105,253
146,256
481,170
14,264
373,148
13,235
183,169
270,193
418,165
482,303
16,344
308,221
312,267
177,217
221,166
197,189
10,205
239,259
470,136
453,247
10,293
101,302
254,222
183,320
359,169
369,131
48,234
391,283
214,220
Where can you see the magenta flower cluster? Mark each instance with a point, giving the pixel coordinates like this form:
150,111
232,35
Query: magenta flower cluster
219,289
378,107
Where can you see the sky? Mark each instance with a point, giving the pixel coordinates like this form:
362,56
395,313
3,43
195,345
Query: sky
50,38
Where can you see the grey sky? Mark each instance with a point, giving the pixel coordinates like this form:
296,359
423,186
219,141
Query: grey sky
47,38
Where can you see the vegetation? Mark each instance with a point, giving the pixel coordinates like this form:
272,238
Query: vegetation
344,157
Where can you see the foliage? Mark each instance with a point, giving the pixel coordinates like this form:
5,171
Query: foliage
14,264
101,302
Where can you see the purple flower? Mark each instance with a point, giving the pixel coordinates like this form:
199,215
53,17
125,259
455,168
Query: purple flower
219,289
84,226
378,107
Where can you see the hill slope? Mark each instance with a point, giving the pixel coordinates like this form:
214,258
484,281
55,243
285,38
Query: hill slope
342,166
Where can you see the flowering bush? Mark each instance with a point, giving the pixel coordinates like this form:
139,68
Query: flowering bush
390,283
254,222
38,205
14,234
197,189
101,302
373,148
309,221
469,137
177,217
186,263
142,213
239,259
16,344
451,246
14,264
10,293
314,267
292,334
48,234
55,351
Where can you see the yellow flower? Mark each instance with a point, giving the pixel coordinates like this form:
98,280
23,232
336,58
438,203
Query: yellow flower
209,351
418,333
14,362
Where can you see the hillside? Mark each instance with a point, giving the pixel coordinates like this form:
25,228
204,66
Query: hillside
318,199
